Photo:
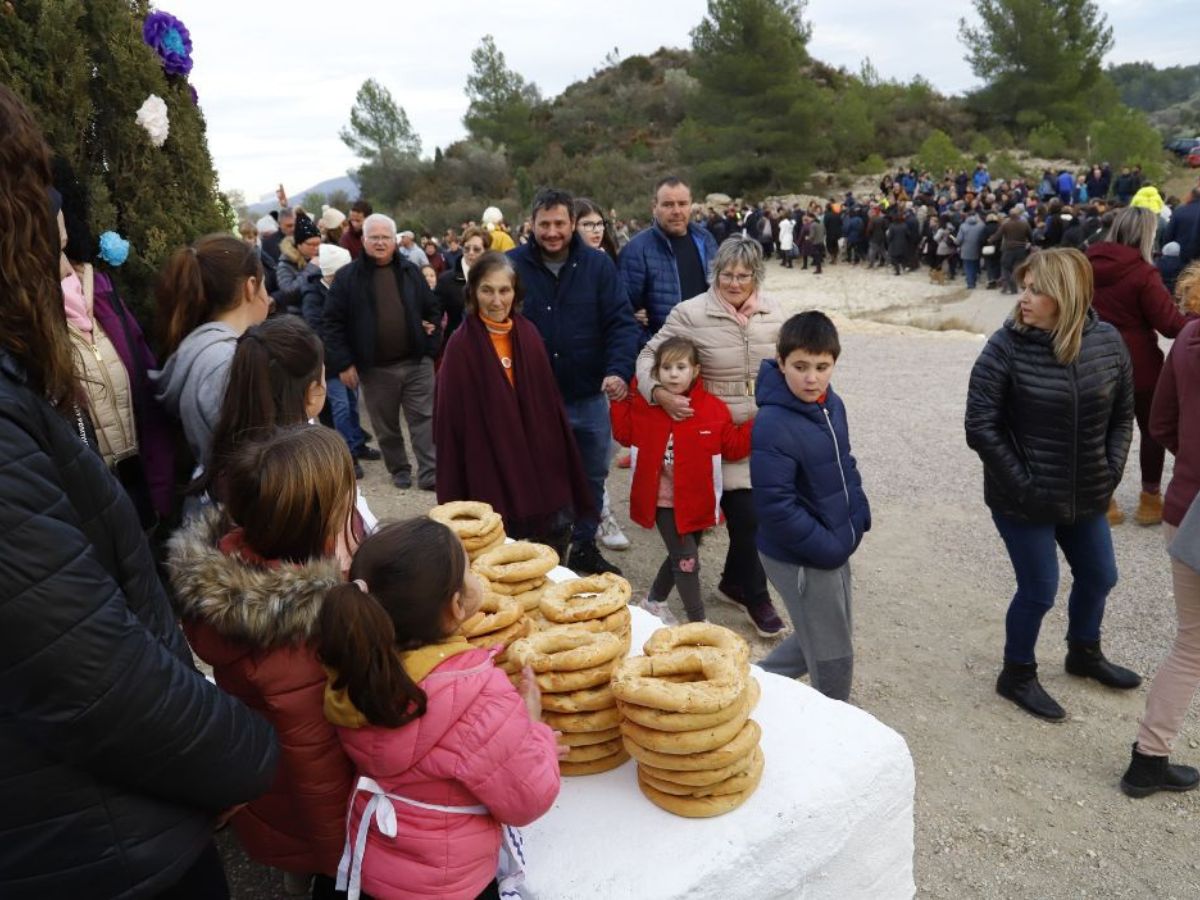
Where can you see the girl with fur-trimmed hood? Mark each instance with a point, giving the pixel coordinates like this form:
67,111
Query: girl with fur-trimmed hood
249,589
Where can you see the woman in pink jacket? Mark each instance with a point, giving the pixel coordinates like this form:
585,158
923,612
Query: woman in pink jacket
449,755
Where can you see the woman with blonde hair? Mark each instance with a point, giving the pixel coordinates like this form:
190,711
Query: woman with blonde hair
1131,296
1049,411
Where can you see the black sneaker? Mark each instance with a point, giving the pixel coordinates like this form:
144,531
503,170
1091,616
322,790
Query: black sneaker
585,559
402,480
358,470
766,621
370,454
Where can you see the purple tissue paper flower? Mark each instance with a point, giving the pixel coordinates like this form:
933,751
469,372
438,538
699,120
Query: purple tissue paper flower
170,40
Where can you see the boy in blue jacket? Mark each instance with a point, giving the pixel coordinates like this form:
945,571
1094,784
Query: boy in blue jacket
811,508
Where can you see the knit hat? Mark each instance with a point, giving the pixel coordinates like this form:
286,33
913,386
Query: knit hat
266,225
1171,249
305,229
330,218
331,258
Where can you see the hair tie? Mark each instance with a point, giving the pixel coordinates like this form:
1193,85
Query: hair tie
361,585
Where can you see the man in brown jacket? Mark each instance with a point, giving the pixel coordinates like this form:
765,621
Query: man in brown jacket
1014,237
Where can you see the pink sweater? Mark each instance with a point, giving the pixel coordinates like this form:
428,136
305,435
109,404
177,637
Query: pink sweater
475,745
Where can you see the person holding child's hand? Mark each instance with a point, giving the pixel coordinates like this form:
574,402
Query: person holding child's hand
435,730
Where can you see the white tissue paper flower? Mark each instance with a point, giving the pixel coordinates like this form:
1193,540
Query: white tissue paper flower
153,117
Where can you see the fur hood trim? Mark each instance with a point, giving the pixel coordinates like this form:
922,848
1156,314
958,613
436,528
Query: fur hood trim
244,602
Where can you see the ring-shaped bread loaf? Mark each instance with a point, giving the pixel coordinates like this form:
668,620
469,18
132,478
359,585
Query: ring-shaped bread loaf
568,682
503,637
637,680
669,721
707,806
586,700
588,752
698,634
566,649
600,720
516,562
596,766
466,518
745,741
699,778
580,599
684,742
583,738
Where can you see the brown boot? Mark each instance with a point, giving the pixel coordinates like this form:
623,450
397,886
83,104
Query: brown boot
1115,516
1149,510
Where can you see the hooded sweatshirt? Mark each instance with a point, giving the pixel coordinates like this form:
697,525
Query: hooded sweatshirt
1175,421
1130,295
475,745
191,385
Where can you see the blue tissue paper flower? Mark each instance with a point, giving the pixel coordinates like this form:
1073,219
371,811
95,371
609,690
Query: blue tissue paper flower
114,249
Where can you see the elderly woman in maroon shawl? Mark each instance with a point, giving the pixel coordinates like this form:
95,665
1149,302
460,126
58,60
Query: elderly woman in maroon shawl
501,430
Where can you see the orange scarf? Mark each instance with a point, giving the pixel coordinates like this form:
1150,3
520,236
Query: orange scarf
501,335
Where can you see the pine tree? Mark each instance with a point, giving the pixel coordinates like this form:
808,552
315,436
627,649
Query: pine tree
1041,60
381,135
84,69
751,123
502,104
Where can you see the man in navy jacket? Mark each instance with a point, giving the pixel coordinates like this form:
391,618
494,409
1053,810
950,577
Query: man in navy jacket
574,296
669,261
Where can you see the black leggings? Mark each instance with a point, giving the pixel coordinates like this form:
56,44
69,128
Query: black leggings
743,568
681,568
1151,455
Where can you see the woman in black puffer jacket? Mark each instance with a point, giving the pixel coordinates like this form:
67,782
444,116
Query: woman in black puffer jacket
116,755
1050,411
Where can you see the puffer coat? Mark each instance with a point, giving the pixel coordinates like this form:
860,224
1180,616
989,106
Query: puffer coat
648,269
116,755
808,493
1053,439
254,624
730,355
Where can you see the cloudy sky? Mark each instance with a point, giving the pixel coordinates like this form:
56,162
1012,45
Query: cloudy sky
277,80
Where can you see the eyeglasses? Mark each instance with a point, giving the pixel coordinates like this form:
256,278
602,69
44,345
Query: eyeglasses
380,238
592,226
731,278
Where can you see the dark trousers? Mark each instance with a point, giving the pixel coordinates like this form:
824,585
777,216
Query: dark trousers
593,436
1151,455
743,568
818,255
971,268
1032,548
1009,260
205,880
342,404
403,387
681,568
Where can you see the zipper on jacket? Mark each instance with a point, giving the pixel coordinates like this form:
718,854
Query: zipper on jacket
837,452
1073,375
746,351
109,390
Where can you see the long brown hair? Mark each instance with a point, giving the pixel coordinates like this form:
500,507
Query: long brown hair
1065,275
200,282
412,570
32,325
291,490
272,369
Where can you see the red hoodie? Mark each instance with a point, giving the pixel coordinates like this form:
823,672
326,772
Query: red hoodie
1175,421
700,443
1130,296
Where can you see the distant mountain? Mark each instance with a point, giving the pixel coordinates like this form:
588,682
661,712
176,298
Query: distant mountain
1170,96
342,183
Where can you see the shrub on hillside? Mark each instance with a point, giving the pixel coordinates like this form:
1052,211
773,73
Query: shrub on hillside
1047,141
938,153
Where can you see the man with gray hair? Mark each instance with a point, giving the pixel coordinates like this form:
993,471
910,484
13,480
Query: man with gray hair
382,328
408,247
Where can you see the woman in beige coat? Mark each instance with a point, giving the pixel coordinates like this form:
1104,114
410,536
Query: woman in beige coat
734,325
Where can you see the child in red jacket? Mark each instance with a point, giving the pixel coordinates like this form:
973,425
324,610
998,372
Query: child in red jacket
677,471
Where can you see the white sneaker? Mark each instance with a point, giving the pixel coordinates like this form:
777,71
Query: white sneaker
660,609
610,535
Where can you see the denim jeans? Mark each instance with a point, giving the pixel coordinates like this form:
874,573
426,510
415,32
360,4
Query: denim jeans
971,270
593,435
1087,545
343,406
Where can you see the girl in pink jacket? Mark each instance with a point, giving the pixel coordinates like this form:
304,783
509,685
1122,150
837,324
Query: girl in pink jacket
448,754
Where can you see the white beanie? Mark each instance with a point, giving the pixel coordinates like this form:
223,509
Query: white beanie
330,218
266,225
331,258
1171,249
492,216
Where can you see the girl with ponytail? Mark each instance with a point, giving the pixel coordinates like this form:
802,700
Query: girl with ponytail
433,727
208,295
250,579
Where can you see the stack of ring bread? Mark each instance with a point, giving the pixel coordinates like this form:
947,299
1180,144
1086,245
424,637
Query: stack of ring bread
477,525
499,621
685,717
594,603
573,666
517,570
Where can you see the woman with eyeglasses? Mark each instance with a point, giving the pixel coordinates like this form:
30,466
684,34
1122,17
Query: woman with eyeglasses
452,283
734,326
593,227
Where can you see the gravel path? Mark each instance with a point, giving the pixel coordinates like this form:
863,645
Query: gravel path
1007,806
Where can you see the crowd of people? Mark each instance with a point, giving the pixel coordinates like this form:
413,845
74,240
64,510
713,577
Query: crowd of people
213,484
